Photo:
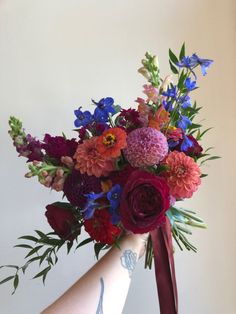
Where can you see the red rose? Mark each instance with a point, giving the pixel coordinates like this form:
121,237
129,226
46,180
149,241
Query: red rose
100,227
62,221
144,201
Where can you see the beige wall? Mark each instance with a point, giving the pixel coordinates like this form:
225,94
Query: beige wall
56,55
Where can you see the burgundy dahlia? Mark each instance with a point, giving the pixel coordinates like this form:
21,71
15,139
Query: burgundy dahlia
77,184
195,150
58,146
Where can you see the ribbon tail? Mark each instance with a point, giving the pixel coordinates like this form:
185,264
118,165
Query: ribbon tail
165,269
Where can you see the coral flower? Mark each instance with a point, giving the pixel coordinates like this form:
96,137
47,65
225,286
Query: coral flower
110,143
90,161
183,174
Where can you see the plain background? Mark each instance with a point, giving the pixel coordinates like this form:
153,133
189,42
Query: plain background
56,55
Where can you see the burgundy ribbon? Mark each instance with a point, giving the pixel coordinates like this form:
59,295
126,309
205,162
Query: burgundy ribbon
165,269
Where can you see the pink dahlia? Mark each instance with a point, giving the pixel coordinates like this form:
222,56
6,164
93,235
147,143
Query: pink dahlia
145,147
183,174
90,161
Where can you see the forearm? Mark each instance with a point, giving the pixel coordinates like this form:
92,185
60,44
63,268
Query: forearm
103,289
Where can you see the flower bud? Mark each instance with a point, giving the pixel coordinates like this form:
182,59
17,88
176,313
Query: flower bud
68,161
166,83
60,172
29,174
145,73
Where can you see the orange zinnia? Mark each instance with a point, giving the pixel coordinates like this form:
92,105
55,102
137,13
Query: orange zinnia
110,143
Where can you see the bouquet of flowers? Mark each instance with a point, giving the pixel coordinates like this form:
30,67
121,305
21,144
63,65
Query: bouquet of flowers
125,170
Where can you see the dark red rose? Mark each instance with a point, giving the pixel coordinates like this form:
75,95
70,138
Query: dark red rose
195,150
144,201
62,221
100,227
58,146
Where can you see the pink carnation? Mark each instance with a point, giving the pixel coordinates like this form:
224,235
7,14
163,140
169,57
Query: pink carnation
145,147
183,174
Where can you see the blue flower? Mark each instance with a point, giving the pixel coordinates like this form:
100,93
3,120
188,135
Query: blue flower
185,101
193,61
187,62
113,197
104,107
190,85
168,105
186,143
83,118
91,205
184,122
171,92
204,63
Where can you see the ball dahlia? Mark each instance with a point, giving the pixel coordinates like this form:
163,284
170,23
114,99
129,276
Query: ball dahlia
145,147
183,174
90,161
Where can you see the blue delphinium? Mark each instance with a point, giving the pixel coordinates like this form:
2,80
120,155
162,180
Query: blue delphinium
113,197
190,85
171,92
91,204
168,105
186,143
184,122
83,118
204,63
104,107
193,61
185,101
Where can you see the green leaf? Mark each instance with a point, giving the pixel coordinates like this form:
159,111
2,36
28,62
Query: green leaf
173,57
84,242
97,248
10,266
41,273
173,68
28,237
182,79
210,158
69,246
182,52
203,175
15,283
34,250
25,246
6,279
33,259
44,255
40,233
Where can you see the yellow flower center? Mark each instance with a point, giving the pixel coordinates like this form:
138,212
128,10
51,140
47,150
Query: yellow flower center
109,140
